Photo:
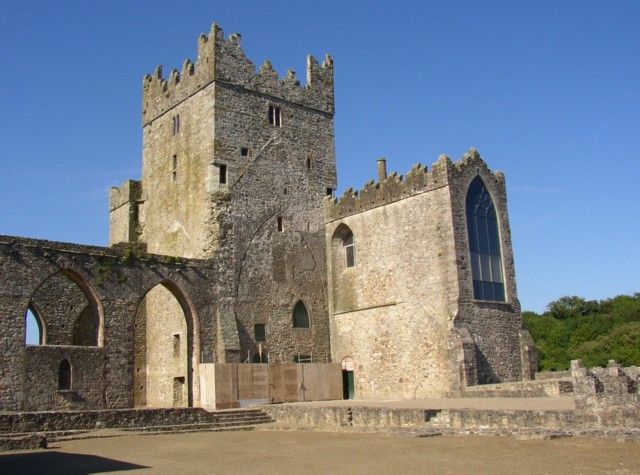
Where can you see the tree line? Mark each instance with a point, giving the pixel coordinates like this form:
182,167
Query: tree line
591,330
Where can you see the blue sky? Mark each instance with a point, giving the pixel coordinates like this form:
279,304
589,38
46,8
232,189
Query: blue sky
547,91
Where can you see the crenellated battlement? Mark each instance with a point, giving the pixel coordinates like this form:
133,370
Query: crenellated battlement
396,187
223,61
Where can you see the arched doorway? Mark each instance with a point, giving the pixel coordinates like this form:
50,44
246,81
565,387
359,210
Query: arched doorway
348,384
164,347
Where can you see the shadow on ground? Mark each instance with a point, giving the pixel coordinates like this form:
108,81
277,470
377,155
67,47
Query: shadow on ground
60,462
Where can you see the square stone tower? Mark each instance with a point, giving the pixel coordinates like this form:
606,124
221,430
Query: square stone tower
235,166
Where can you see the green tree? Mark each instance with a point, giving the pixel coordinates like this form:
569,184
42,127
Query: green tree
571,306
621,344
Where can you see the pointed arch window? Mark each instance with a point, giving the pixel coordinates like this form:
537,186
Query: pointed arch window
484,244
300,315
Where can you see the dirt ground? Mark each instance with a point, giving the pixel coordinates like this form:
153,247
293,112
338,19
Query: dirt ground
263,452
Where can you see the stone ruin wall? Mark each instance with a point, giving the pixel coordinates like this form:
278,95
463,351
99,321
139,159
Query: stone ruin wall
115,282
504,349
406,309
391,313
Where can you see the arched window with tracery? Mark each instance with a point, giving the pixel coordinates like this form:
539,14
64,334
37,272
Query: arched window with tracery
300,315
484,244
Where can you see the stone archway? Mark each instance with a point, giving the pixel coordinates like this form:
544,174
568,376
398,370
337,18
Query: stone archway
66,310
166,345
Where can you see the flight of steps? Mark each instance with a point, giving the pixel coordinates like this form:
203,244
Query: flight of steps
34,429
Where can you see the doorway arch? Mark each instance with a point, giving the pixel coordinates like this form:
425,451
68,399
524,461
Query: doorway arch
166,349
348,380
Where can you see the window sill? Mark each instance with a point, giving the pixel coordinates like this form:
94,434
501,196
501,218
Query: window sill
496,304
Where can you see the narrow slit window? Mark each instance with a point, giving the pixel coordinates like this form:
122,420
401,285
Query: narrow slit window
309,162
223,174
176,345
174,168
176,124
280,224
260,330
275,116
350,250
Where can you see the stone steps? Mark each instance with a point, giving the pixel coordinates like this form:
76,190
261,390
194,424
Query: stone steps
45,421
20,430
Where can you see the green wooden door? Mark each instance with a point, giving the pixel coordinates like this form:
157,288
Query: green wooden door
347,384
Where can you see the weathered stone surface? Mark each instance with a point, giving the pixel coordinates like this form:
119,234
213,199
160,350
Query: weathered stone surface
115,281
405,311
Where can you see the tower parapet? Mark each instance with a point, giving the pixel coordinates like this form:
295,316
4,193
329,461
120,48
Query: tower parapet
223,61
397,187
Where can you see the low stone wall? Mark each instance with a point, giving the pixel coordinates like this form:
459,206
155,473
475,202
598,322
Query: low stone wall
309,416
18,422
552,375
449,420
25,442
607,397
535,388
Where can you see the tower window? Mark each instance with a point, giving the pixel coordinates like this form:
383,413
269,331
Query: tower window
329,191
175,128
484,244
260,331
176,345
275,116
300,315
222,168
309,162
350,249
280,224
174,168
244,151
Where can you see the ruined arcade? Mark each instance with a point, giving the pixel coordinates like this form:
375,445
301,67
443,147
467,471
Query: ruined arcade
234,274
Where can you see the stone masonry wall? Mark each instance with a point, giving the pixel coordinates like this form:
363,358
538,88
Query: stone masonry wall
392,311
274,269
41,378
494,326
405,311
116,282
275,173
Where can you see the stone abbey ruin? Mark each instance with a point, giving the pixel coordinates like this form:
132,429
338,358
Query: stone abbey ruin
233,275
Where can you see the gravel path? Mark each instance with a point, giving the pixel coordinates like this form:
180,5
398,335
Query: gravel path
267,452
